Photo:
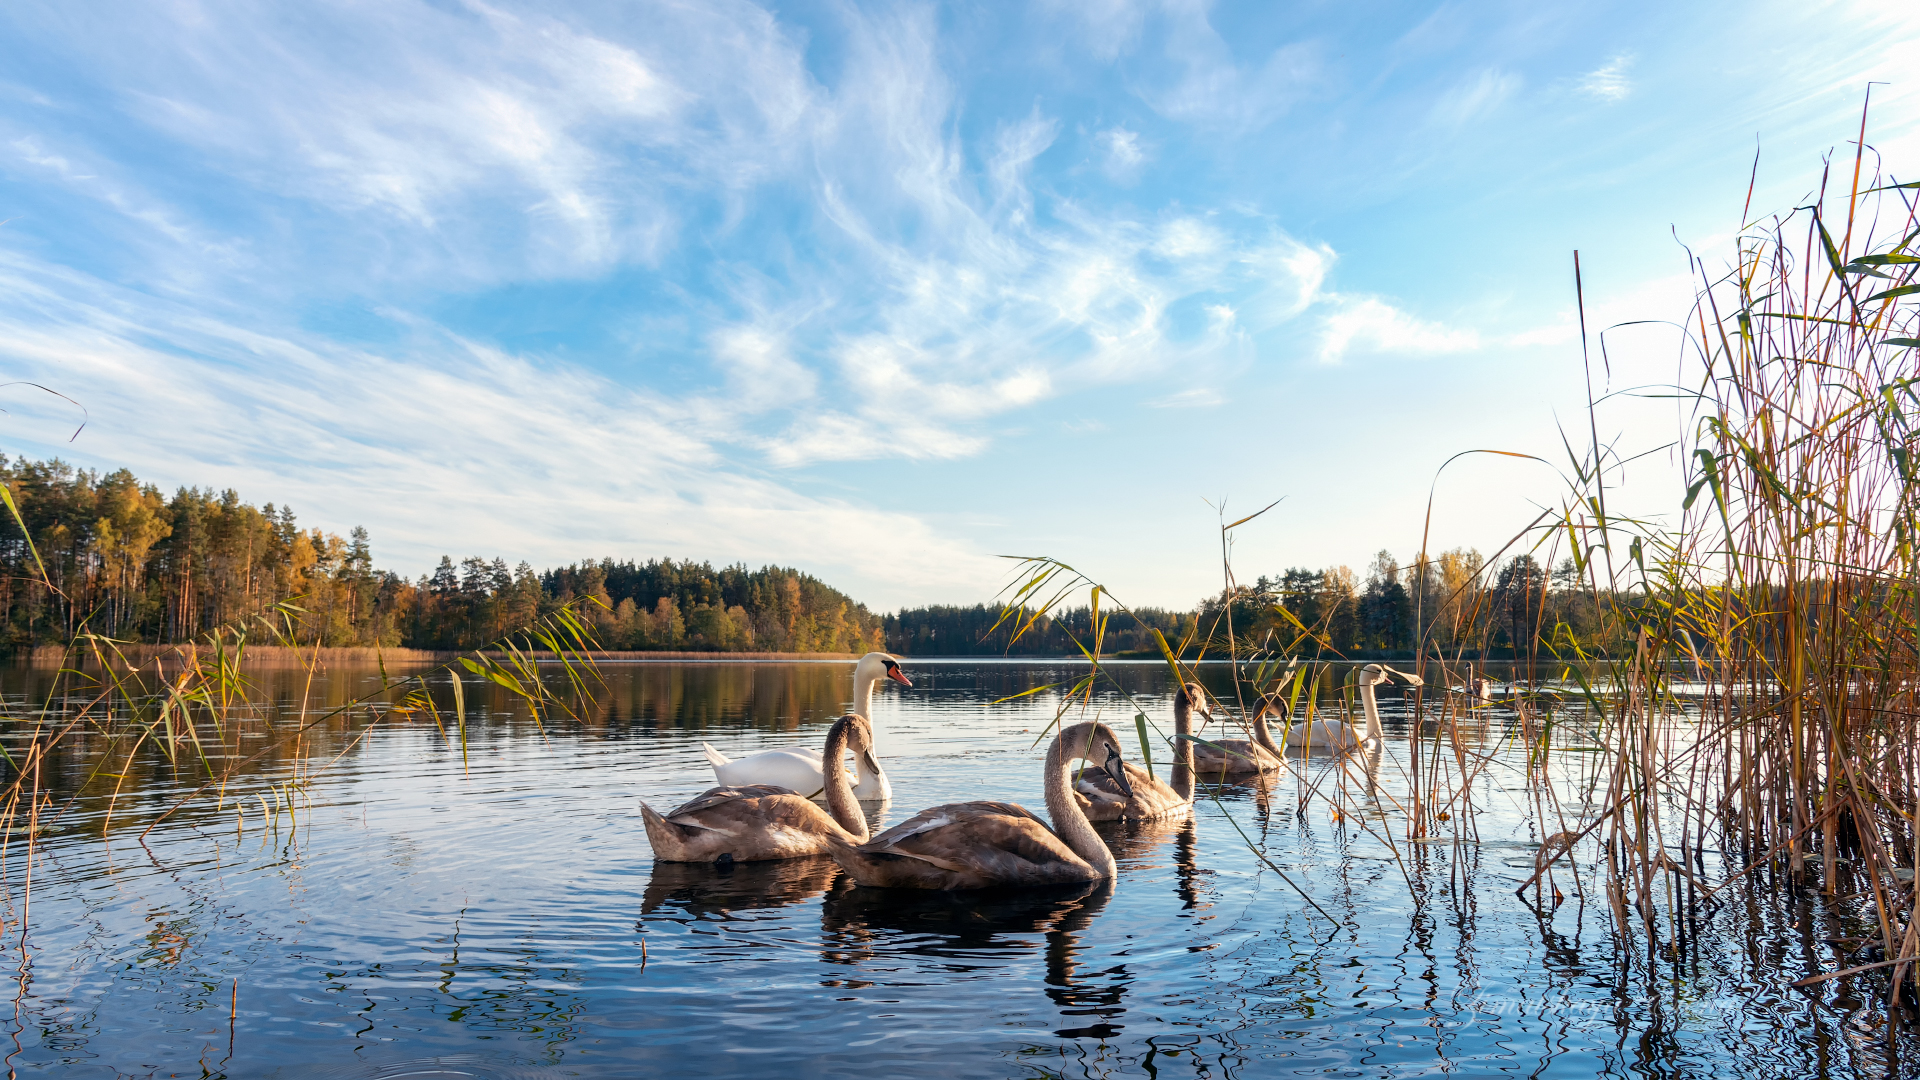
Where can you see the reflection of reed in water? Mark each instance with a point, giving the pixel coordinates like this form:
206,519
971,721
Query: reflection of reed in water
703,890
1257,788
1133,842
861,924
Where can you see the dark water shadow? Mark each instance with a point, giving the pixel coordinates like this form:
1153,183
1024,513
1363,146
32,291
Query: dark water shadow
706,891
441,1067
964,931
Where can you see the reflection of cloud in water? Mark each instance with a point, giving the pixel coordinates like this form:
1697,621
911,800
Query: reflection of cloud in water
958,932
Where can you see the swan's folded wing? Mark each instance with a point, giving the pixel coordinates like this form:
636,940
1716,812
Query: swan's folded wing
719,796
973,836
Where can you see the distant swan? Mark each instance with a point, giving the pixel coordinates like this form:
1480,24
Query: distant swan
1478,690
798,767
1235,757
1151,798
1339,735
978,845
756,822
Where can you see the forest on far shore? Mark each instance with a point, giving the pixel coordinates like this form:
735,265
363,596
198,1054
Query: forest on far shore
127,562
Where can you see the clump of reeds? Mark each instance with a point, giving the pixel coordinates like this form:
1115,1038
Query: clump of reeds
1751,685
1786,583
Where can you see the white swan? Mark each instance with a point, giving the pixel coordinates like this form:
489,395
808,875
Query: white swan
1339,735
798,767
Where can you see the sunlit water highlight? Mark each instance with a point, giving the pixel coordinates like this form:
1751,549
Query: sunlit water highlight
415,915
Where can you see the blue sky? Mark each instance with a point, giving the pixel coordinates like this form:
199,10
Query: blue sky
886,291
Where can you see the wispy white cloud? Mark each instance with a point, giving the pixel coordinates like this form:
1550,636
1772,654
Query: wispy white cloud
1185,70
1124,154
1105,28
1197,398
1475,97
1366,325
1609,82
419,119
980,298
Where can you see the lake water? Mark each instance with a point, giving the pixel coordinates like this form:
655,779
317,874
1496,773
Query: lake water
419,915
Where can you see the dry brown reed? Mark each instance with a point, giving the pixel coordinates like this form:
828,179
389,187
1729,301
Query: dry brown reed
1751,687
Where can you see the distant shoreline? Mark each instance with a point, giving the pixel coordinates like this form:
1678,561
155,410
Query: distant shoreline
284,656
170,656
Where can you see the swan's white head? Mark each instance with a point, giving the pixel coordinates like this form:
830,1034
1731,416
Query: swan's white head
877,666
1377,674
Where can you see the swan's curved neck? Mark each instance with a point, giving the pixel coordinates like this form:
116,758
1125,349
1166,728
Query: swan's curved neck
1182,749
1069,821
1372,709
840,801
1262,736
863,706
863,693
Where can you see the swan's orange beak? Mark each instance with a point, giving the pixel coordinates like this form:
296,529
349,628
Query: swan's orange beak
894,673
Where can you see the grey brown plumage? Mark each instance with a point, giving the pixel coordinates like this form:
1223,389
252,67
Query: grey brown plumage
757,822
977,845
1238,757
1152,798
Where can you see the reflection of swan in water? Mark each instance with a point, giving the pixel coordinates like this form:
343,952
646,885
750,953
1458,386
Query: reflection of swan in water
1347,782
1134,843
1100,797
1187,868
799,767
940,923
859,925
701,889
1256,786
753,822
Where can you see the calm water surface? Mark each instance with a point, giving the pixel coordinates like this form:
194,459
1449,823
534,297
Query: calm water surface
421,915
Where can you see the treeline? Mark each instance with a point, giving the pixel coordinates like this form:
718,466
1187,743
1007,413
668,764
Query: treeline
1454,600
1514,609
127,562
951,630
